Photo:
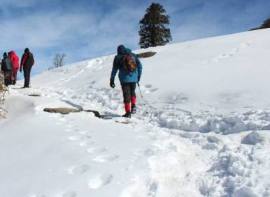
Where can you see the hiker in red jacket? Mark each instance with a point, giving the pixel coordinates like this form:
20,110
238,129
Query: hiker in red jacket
15,66
27,62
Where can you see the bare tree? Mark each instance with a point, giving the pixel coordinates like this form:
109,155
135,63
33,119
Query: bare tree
58,60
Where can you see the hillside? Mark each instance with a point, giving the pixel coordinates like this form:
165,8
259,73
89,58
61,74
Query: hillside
202,127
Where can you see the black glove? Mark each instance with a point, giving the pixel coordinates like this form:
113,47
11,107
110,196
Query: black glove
139,78
112,83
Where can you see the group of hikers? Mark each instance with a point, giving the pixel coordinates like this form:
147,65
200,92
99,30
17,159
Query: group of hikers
10,66
125,62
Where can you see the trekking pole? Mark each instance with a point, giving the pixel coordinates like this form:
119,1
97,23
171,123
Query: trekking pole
140,89
144,101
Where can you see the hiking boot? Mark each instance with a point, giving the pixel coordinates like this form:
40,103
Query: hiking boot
127,115
133,109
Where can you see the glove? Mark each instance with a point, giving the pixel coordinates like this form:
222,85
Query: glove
139,78
112,83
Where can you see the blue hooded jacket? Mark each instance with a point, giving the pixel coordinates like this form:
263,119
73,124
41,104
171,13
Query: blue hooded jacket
124,75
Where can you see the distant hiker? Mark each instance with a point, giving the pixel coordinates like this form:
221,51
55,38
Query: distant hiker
27,61
15,66
6,68
130,70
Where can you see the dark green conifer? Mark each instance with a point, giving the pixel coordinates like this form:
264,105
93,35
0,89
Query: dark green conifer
153,27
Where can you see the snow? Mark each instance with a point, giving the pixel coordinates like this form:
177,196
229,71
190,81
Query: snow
252,139
202,127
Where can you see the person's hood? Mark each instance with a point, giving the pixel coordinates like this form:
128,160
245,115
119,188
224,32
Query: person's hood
128,50
121,50
12,53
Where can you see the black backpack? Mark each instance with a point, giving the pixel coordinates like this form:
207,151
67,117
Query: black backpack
7,64
30,59
129,63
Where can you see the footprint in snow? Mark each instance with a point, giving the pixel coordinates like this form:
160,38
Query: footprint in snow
74,138
153,89
153,187
100,181
37,195
105,158
86,143
96,150
210,146
149,152
86,136
69,194
78,170
245,45
62,118
148,86
69,128
83,132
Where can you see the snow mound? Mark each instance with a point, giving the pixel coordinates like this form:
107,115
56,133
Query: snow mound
244,192
252,139
211,122
18,106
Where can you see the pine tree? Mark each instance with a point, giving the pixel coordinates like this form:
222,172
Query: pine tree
266,24
153,27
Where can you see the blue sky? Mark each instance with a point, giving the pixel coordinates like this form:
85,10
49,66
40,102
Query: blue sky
84,29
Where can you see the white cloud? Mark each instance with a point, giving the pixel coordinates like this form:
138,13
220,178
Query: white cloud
79,34
41,31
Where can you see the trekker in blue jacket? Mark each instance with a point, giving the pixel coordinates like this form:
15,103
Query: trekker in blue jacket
130,70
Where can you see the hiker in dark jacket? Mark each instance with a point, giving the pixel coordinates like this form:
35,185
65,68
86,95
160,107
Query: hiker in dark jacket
6,68
27,61
128,76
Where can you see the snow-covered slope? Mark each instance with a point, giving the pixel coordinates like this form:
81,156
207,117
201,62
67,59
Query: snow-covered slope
201,128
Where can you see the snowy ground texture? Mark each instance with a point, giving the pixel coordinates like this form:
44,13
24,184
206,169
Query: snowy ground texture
202,127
